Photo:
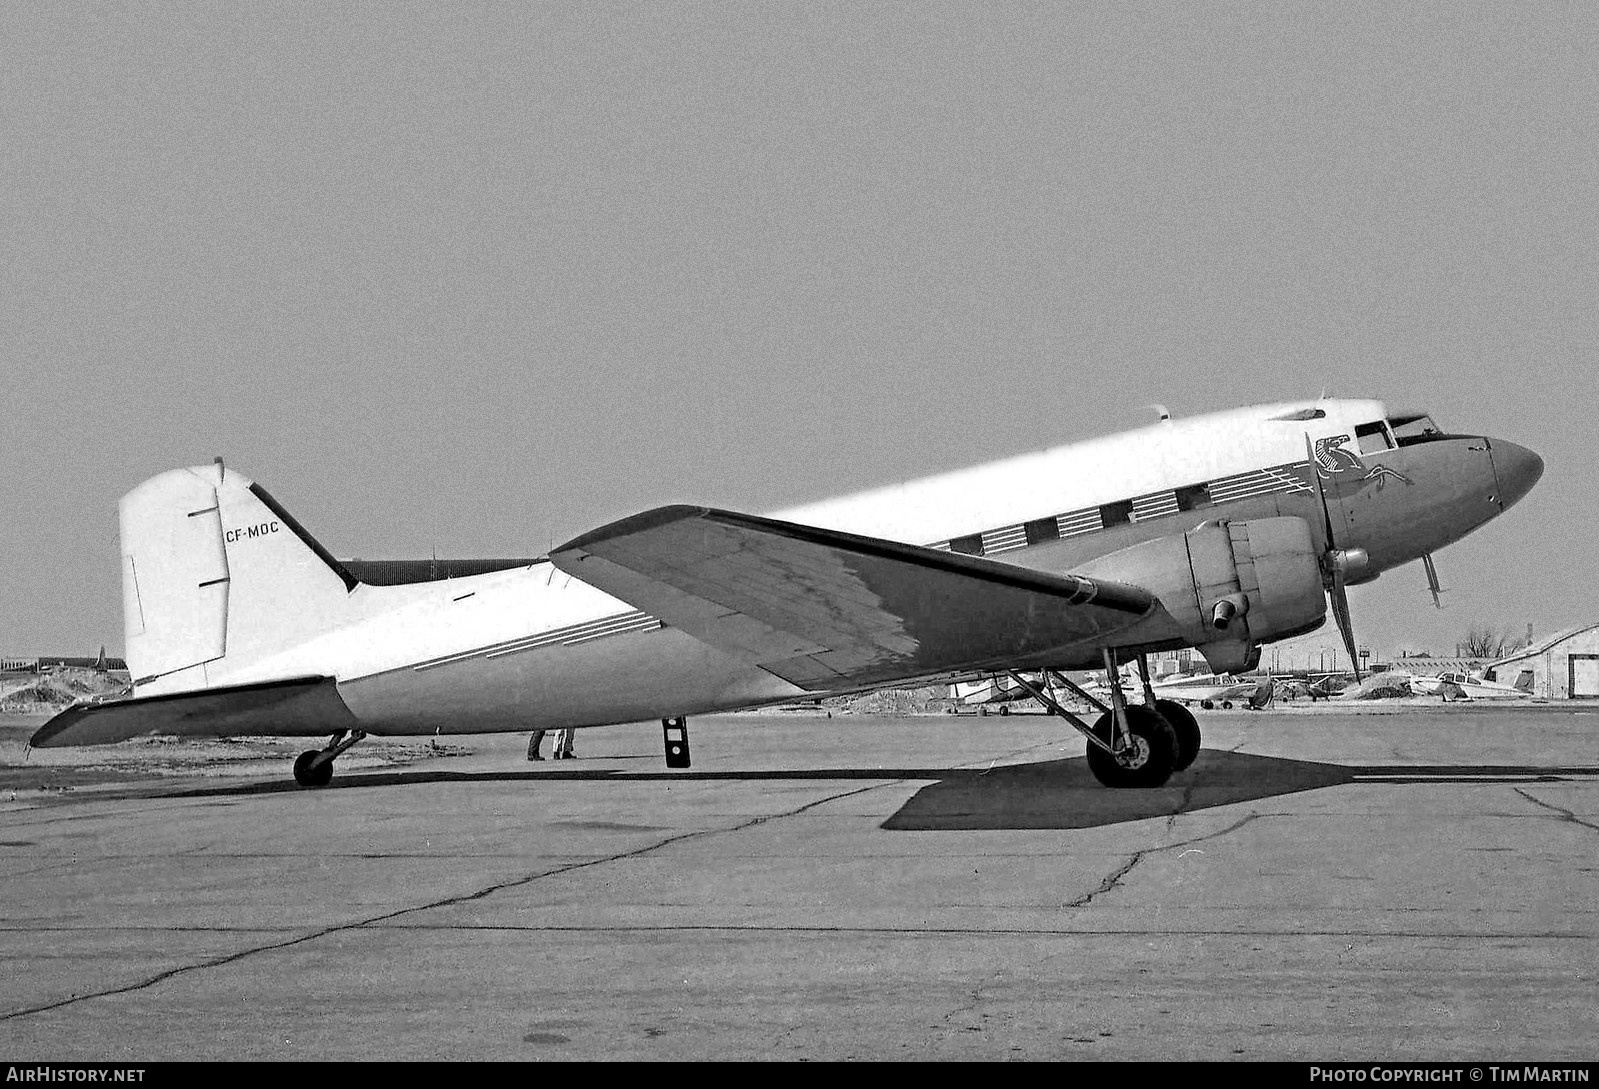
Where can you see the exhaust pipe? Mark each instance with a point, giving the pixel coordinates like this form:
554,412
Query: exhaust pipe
1227,608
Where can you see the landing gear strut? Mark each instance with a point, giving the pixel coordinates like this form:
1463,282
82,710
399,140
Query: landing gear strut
1183,723
1147,752
1147,757
1128,746
314,767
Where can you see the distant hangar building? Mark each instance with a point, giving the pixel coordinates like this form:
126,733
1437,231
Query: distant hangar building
1564,666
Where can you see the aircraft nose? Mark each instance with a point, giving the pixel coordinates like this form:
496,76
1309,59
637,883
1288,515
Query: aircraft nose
1516,468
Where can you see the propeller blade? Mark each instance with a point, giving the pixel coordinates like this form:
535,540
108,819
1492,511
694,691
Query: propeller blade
1321,493
1332,571
1346,627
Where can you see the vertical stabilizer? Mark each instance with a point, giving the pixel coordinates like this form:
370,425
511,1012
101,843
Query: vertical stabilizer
215,576
174,574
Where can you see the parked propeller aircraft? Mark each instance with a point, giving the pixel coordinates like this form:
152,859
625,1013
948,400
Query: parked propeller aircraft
997,691
1207,689
1460,684
1222,532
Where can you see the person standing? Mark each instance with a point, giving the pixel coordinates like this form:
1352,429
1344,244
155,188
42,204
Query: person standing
533,744
563,745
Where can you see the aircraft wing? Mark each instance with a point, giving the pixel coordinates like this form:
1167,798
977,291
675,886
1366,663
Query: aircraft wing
303,707
826,610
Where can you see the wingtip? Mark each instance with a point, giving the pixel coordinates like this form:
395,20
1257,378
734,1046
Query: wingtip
48,736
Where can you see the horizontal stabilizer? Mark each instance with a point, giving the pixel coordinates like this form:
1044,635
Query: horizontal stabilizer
301,707
826,610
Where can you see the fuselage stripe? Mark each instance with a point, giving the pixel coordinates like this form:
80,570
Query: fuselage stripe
574,633
1290,477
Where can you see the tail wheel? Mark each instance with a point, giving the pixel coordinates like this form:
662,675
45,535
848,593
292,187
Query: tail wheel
1186,727
1149,758
309,776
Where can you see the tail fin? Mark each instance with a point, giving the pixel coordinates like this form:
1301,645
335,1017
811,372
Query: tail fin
215,576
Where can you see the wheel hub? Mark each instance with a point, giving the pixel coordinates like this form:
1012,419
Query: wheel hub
1136,754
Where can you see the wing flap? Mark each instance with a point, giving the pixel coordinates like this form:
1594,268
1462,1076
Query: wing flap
299,707
825,609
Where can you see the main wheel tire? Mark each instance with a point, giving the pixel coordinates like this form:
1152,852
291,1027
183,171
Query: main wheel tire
1186,727
1146,762
308,776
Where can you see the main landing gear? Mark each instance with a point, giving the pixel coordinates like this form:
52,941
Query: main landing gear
1129,745
314,767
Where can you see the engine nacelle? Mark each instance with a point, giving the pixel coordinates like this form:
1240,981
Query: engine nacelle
1352,563
1229,586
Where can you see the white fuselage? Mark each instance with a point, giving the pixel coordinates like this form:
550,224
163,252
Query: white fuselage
1471,686
534,648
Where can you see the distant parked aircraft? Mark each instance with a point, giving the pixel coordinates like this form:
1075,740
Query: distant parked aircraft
1459,684
1207,689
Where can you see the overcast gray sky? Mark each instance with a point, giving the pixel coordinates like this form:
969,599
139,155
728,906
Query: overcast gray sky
479,277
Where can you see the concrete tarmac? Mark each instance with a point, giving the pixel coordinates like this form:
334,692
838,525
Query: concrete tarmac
1404,884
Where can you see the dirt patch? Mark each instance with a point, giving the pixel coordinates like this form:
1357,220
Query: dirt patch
51,692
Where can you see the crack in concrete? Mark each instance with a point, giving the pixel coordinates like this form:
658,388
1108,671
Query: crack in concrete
219,962
1114,879
1108,883
969,1011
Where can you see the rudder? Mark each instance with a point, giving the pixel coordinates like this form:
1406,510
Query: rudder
215,576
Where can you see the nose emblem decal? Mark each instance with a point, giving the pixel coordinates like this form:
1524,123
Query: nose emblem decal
1332,458
1382,475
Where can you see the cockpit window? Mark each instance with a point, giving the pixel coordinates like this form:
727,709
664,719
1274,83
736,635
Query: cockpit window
1409,429
1373,438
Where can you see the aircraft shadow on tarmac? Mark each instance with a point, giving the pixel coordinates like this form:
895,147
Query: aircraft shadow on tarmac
1050,794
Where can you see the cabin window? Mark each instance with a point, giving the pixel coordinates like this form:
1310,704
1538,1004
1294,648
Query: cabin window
1193,497
1116,514
969,546
1372,438
1043,529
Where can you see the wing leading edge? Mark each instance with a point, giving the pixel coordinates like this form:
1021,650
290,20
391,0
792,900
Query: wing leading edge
826,610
